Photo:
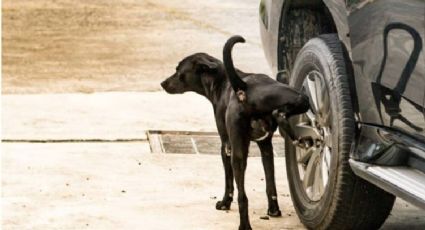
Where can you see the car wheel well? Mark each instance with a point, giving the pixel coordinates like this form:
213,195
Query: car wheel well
300,21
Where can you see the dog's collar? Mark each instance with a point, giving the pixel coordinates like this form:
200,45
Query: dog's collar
263,137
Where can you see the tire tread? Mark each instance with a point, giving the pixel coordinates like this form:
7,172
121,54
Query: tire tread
356,204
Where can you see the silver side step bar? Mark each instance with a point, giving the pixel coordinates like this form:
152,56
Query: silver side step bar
404,182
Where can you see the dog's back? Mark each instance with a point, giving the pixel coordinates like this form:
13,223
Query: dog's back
262,94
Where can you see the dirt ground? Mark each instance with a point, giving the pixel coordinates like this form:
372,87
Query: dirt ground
52,46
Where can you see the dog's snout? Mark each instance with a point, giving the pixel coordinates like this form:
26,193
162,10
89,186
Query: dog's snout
164,84
170,86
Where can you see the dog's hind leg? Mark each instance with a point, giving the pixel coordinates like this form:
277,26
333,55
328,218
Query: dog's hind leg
267,157
225,203
239,163
238,130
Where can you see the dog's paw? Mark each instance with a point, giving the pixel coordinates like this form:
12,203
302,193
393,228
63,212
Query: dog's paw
274,213
223,205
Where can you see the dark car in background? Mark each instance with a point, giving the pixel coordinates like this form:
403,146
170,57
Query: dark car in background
362,143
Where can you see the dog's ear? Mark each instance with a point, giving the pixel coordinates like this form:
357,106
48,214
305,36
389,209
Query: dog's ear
203,64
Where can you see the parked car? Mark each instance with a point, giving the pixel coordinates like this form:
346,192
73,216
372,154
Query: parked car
362,143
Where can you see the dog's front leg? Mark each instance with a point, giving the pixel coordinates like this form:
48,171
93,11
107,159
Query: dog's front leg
225,203
267,157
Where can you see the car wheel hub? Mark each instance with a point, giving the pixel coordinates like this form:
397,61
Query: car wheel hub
313,152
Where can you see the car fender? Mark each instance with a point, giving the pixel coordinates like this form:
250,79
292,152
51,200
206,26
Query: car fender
339,13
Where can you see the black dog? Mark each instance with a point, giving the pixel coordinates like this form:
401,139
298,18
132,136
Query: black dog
242,115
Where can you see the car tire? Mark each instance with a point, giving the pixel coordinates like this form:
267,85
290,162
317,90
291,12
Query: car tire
345,201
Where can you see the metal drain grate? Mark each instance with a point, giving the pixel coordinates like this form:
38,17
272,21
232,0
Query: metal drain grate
184,142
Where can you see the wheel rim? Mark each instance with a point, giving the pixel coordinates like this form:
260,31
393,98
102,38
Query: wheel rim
313,155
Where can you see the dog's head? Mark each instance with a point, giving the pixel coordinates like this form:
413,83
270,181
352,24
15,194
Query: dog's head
192,74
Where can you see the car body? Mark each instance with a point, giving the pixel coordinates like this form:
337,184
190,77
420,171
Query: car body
383,44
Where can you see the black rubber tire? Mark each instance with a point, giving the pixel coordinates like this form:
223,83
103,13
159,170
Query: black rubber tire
348,202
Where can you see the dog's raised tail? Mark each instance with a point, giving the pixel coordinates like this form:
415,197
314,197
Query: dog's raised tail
236,82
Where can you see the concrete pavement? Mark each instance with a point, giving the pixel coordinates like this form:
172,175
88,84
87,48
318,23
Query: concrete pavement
102,115
122,185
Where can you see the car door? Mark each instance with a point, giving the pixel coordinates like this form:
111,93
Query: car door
387,42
